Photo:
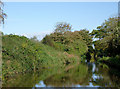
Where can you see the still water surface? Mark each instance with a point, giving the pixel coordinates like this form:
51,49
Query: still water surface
82,75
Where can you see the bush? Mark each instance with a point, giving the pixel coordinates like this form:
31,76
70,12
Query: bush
21,55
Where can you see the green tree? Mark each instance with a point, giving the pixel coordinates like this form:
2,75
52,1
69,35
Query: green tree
86,37
109,37
65,40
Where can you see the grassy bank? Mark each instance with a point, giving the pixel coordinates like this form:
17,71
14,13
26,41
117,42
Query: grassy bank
21,55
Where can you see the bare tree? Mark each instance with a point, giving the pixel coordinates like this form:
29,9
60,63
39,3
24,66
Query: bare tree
2,14
62,27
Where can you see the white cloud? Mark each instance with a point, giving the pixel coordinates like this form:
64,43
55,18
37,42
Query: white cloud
39,35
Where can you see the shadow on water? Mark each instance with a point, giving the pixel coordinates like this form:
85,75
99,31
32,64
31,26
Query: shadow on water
82,75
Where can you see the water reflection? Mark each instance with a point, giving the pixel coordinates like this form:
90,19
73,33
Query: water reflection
80,75
41,84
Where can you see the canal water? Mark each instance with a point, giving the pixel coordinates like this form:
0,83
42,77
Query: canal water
82,75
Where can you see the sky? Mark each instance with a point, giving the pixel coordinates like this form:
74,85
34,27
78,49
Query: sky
39,18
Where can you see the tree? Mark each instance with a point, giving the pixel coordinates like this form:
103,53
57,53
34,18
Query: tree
87,38
109,37
2,14
34,38
62,27
65,40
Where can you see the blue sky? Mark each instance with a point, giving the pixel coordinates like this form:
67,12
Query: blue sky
39,18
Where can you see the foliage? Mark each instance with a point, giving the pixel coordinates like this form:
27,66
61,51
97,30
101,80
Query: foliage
76,42
62,27
61,48
109,38
112,62
21,55
86,36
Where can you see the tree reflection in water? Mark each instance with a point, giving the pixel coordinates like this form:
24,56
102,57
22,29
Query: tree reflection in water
81,75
